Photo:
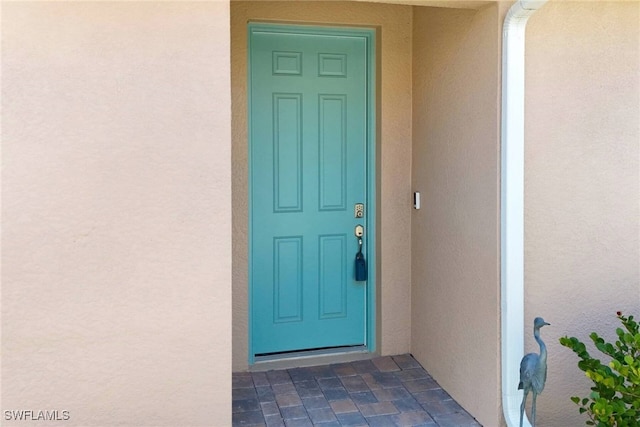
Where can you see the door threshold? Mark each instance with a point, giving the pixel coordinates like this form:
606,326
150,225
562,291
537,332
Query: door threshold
301,359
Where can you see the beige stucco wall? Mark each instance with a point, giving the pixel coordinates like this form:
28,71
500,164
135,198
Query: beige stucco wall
116,261
116,212
394,156
455,236
582,188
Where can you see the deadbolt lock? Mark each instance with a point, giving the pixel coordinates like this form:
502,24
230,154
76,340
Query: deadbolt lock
359,210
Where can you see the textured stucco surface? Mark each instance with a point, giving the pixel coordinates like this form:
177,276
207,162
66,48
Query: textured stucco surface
457,4
394,157
582,183
455,236
116,198
116,212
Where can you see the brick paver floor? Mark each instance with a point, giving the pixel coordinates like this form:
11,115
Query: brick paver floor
385,391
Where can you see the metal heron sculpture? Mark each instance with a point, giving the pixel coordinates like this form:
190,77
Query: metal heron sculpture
533,372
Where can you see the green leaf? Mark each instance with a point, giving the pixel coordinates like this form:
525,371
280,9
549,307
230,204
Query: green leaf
614,398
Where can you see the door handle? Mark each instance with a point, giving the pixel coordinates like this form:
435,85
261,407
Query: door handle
360,263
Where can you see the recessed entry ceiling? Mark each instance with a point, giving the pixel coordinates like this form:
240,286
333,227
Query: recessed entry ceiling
456,4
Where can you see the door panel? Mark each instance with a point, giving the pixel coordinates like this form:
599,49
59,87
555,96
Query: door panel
308,166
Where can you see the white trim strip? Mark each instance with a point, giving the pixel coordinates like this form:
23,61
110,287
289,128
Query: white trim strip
512,202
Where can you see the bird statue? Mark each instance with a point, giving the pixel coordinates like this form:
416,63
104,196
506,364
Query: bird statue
533,371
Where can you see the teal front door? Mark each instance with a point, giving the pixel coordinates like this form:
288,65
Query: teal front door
311,153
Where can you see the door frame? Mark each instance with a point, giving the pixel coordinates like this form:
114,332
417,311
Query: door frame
369,34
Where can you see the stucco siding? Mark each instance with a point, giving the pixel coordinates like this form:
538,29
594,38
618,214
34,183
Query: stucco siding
116,212
582,183
124,151
393,285
455,235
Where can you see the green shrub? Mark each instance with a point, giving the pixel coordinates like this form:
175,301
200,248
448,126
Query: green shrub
615,396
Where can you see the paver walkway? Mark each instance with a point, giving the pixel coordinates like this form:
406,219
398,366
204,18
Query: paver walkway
385,391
